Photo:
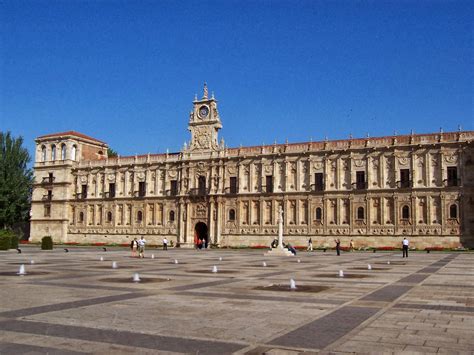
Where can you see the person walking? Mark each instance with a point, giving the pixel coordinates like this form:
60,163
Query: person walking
310,245
351,245
134,247
141,247
405,244
165,244
338,246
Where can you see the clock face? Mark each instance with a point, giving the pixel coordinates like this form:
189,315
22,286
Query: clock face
203,111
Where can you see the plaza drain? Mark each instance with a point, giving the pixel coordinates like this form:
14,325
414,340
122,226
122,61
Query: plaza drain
391,263
119,267
28,273
129,280
346,276
28,263
286,288
209,271
373,268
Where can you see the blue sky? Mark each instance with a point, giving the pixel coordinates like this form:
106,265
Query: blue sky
126,71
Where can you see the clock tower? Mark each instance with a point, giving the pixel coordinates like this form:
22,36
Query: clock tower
204,123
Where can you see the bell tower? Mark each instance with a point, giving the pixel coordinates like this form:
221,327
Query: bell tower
204,123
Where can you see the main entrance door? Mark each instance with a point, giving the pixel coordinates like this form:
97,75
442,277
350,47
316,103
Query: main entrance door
201,235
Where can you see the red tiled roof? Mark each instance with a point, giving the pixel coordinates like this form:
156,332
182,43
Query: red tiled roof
71,133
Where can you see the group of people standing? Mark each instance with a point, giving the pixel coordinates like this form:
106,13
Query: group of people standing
138,247
337,241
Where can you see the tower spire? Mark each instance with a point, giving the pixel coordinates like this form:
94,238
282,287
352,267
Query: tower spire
206,93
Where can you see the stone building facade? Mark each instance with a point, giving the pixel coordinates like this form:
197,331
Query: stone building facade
372,190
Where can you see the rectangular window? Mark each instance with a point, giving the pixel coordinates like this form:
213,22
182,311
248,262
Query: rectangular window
50,178
84,191
269,183
174,187
360,180
202,185
404,178
318,182
47,210
141,189
112,190
50,195
452,176
233,185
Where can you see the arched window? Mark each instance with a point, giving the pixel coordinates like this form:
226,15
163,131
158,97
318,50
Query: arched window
319,214
53,152
406,212
109,216
453,211
73,152
43,153
81,217
63,151
139,216
171,216
232,215
360,213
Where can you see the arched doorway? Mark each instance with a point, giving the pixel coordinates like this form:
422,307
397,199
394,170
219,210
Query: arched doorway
201,235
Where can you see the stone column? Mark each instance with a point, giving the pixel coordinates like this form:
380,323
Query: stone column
428,169
220,213
212,222
297,210
429,218
444,172
414,209
413,169
189,229
368,169
443,212
396,221
382,167
298,177
368,214
125,183
382,210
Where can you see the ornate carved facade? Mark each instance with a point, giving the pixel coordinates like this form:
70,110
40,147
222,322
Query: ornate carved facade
372,190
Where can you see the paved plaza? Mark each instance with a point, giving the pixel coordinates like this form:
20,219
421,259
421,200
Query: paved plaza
74,303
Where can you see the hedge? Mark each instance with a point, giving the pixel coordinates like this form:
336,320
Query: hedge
5,241
14,242
47,243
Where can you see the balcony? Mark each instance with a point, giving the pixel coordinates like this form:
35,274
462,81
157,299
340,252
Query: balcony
48,180
108,194
80,196
404,184
317,187
47,197
451,182
231,191
198,192
360,185
170,192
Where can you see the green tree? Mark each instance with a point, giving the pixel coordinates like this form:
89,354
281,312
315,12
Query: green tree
16,181
111,153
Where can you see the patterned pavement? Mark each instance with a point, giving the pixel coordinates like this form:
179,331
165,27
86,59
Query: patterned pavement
73,303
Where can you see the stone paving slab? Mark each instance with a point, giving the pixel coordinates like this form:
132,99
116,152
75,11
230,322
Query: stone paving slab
421,304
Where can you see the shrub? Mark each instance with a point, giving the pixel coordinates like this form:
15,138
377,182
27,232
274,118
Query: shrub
47,243
14,241
5,240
